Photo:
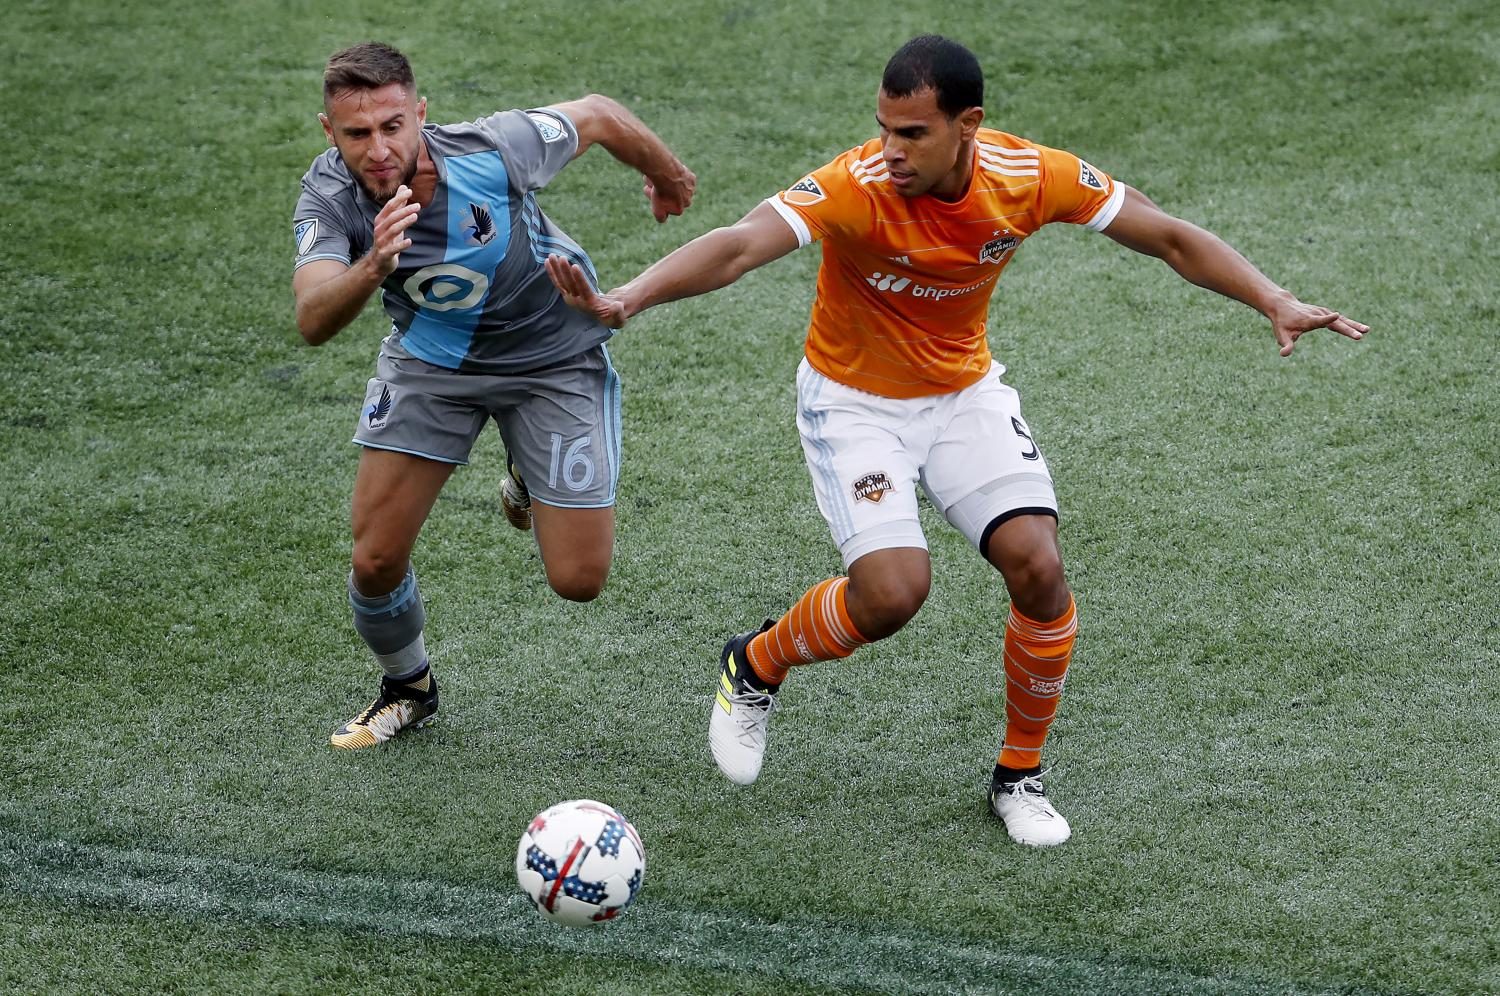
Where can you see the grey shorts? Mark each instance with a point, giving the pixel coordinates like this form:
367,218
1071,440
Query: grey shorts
561,425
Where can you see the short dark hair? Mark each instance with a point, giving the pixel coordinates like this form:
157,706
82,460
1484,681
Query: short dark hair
936,63
366,66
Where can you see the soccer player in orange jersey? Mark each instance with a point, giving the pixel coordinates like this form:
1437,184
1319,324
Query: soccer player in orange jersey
898,388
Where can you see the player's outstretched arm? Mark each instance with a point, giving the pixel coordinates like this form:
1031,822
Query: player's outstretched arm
712,260
601,120
330,294
1206,260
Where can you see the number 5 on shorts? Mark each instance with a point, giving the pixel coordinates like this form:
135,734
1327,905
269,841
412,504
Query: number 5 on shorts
1015,423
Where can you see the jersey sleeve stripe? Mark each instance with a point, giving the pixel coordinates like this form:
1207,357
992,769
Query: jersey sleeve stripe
1106,214
1005,170
794,221
1003,153
304,260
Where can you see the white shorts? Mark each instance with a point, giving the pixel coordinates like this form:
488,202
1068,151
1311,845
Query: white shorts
971,452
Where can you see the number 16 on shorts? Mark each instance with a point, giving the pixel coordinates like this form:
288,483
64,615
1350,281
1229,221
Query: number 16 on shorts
571,466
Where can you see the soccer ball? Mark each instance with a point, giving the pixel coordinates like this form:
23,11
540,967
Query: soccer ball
580,862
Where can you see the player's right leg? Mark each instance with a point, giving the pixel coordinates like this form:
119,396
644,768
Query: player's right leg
393,494
418,422
865,476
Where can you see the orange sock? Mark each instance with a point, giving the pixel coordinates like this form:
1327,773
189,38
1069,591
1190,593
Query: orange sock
1036,663
817,628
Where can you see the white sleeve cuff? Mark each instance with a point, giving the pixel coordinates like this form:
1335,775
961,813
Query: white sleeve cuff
793,220
1106,214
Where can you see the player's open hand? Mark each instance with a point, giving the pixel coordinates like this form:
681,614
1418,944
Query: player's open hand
399,214
1297,319
579,293
671,195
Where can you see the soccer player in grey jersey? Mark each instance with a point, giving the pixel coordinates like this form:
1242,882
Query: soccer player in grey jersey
444,221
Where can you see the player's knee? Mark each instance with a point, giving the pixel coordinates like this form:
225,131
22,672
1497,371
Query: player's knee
579,582
881,607
377,571
1038,587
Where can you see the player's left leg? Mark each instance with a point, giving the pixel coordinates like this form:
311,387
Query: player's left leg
988,478
576,545
1038,647
561,427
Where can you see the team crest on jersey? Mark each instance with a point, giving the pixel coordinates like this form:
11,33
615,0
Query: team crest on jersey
1089,177
378,409
306,232
995,250
872,487
804,193
551,130
480,228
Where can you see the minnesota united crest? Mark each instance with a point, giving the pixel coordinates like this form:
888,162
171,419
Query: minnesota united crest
378,410
480,228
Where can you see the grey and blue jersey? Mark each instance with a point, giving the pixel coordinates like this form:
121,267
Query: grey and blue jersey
470,293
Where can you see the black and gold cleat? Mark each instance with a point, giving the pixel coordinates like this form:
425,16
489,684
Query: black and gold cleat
398,707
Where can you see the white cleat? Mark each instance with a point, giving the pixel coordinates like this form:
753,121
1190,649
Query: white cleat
741,714
1028,815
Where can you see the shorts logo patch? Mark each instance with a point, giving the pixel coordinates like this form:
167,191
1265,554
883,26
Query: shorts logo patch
378,412
995,250
307,235
872,487
804,193
1089,177
551,129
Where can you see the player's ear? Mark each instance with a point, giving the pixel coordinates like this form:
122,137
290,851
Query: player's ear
422,111
969,121
327,127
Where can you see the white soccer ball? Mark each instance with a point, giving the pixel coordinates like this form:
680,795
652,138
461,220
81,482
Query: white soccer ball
580,863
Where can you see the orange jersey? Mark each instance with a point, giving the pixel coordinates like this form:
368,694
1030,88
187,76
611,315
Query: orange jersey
905,283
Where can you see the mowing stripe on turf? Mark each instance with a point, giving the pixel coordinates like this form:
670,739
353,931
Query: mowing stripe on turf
816,952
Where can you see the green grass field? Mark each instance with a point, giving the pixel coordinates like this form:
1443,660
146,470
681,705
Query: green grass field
1278,746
